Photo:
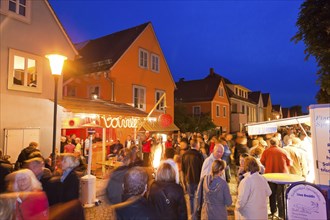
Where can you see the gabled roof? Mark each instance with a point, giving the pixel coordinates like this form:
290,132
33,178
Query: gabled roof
61,26
285,112
265,98
197,90
276,108
102,53
254,96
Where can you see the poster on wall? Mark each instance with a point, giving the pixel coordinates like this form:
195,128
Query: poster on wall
305,201
320,128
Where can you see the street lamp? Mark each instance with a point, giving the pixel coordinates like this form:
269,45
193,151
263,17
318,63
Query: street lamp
56,64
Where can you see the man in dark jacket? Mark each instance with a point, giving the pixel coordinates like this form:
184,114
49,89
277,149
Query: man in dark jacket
25,153
191,166
135,205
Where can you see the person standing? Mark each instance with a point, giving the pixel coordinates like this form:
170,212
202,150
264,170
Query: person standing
191,166
213,193
146,149
134,205
24,155
69,147
31,202
276,160
252,192
166,196
216,155
129,142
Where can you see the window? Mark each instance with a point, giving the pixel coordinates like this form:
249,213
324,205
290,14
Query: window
224,112
161,105
143,58
243,109
71,91
25,71
234,107
236,91
139,98
221,91
155,62
217,110
196,110
19,9
94,91
18,6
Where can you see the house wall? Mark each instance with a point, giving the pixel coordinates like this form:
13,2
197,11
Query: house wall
126,73
41,36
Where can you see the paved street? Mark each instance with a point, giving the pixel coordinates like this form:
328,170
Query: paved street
104,211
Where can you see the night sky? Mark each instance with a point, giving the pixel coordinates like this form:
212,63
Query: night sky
247,42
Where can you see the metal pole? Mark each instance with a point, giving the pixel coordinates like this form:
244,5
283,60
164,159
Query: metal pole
54,123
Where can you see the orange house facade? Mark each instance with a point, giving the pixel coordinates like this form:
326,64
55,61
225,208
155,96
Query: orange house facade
207,95
124,67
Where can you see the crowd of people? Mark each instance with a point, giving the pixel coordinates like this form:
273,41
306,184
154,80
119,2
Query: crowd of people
198,165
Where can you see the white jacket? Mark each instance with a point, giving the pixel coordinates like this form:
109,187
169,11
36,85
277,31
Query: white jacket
253,192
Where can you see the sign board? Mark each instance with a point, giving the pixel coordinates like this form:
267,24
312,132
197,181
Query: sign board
320,128
305,201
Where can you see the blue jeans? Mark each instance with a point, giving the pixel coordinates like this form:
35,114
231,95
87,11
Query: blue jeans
191,190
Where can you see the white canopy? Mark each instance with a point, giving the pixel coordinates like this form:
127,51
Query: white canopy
267,127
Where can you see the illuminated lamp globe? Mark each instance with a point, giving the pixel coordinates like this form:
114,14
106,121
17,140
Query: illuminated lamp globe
165,120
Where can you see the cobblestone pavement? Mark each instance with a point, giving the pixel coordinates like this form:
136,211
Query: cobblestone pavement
104,211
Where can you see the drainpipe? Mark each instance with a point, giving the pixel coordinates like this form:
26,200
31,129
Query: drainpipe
112,85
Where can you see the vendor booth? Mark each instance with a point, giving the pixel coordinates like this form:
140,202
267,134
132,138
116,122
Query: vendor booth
319,154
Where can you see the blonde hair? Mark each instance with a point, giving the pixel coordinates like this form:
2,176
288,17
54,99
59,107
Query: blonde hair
71,159
218,166
23,173
165,173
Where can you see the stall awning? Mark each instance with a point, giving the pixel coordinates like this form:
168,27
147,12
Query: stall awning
100,107
267,127
156,127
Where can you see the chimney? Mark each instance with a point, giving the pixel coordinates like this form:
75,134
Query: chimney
211,71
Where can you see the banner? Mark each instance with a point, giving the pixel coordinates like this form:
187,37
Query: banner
320,128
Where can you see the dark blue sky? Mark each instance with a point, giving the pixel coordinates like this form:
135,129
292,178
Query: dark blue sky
247,42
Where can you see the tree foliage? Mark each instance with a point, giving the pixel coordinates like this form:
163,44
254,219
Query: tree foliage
314,30
186,122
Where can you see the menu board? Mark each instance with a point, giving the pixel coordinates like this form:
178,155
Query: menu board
320,127
305,201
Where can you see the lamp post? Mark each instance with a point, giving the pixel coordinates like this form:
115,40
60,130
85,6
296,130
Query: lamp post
56,64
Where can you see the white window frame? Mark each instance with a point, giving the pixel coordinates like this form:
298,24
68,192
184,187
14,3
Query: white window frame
155,63
217,110
141,106
144,60
196,107
224,111
39,71
4,9
221,91
161,106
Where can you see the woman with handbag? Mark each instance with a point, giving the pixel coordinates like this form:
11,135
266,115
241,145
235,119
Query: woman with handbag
166,196
213,194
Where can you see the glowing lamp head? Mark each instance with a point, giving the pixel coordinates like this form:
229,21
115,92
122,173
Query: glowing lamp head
56,63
